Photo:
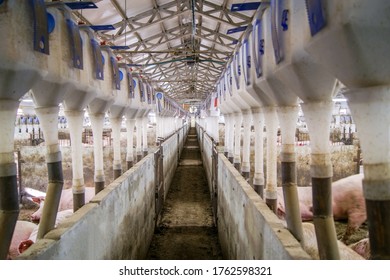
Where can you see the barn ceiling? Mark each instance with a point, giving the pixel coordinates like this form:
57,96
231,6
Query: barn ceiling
180,46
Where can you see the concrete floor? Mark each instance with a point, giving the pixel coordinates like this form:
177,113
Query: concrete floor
186,230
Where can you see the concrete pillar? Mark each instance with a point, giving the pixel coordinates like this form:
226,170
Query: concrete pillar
258,177
145,148
48,118
75,122
288,118
318,117
370,110
226,141
232,121
138,125
116,136
271,125
130,123
9,199
247,122
237,142
97,122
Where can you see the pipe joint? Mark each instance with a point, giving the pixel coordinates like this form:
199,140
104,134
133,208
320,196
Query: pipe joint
8,169
377,190
54,157
321,166
287,157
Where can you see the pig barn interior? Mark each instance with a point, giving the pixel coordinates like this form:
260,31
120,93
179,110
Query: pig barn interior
194,130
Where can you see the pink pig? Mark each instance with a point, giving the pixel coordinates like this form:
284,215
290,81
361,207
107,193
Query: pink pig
22,231
348,203
66,202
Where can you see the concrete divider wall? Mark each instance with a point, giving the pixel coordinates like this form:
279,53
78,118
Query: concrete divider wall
171,148
247,228
207,148
118,223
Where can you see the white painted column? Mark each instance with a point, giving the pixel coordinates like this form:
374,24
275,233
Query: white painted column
138,125
247,122
97,122
370,109
145,148
271,125
75,122
9,199
258,177
288,116
233,122
318,117
130,123
237,142
48,118
116,136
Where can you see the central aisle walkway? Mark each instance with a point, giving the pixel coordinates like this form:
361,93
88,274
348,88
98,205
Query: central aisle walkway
186,231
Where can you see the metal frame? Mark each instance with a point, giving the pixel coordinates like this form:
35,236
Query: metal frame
179,46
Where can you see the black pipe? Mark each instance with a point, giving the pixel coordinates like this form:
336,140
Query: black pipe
79,200
117,173
99,186
53,196
130,164
290,194
9,207
323,218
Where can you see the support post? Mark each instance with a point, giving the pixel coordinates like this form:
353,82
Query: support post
318,117
271,124
288,116
370,110
97,121
9,200
258,177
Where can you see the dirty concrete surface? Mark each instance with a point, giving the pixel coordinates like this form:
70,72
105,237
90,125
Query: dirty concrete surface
186,230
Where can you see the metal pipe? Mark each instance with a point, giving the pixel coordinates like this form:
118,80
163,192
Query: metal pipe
287,118
237,142
271,120
247,121
145,149
258,177
130,123
116,130
231,138
97,121
75,121
48,117
138,124
368,105
318,117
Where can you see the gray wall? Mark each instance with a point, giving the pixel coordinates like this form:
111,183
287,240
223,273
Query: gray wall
172,148
247,228
118,223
